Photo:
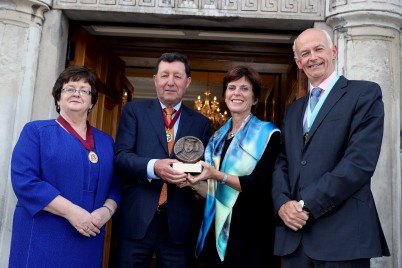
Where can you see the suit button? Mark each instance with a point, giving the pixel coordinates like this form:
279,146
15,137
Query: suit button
304,162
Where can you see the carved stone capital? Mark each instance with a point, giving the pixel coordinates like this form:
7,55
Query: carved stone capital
27,11
339,6
361,19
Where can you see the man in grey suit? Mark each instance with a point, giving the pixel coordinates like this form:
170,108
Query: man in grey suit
321,185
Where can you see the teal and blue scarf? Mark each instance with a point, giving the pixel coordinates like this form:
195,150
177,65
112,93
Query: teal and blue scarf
240,159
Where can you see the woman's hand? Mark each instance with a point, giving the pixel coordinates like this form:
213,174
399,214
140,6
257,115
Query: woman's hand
100,216
184,184
200,187
208,172
199,182
78,217
82,221
193,181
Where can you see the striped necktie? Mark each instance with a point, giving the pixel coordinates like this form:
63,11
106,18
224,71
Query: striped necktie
170,140
315,95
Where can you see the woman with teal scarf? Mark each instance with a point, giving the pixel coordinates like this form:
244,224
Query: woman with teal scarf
238,226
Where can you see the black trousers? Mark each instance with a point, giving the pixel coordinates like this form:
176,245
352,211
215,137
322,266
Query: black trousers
157,242
299,259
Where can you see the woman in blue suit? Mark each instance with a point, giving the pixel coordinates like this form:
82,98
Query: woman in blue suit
62,174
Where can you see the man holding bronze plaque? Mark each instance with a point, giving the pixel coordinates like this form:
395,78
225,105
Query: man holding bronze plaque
156,216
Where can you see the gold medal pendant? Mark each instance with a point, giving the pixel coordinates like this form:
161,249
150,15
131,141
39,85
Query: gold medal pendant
168,136
93,157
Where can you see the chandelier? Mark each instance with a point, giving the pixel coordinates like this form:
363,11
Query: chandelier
211,109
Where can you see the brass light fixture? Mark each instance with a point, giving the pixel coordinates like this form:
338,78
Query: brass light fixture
211,109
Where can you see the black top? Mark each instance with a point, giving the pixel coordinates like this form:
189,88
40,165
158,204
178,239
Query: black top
252,228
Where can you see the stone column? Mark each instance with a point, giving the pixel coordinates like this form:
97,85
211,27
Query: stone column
20,32
369,45
51,62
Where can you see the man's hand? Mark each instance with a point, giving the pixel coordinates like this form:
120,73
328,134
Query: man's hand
292,215
163,169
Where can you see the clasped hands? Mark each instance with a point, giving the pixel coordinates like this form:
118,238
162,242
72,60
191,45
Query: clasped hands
88,224
293,215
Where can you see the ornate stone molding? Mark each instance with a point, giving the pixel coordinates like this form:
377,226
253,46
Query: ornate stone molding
280,9
31,11
360,19
340,6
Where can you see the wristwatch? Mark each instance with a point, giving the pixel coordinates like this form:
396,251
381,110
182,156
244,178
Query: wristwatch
304,207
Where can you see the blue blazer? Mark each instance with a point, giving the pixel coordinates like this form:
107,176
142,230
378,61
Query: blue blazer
141,137
332,173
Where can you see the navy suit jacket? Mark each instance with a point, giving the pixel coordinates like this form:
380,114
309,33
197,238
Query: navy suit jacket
141,137
332,173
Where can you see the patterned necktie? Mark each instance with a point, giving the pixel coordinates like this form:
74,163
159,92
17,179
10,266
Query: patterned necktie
315,94
170,141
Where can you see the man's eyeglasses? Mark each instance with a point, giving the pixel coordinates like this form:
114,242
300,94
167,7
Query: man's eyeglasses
72,90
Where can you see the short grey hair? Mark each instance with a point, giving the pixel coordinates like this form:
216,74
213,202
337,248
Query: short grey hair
329,40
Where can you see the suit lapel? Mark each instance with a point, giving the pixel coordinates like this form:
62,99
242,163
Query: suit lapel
336,93
300,129
156,120
155,117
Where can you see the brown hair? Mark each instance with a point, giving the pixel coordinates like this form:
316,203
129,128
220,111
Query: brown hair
75,73
173,57
249,73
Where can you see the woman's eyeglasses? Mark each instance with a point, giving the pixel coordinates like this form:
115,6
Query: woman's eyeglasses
72,90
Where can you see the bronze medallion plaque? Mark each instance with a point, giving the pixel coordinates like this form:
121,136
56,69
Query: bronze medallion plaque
188,150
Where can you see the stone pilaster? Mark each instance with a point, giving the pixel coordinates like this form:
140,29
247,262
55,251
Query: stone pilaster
20,32
51,62
369,49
